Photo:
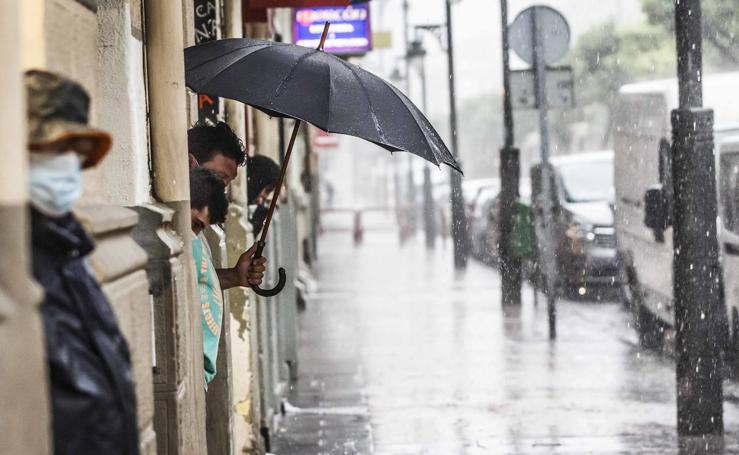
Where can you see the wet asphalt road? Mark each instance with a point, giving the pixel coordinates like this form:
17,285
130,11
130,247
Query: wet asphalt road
401,356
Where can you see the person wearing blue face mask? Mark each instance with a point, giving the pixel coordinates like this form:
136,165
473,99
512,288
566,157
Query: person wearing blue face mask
93,403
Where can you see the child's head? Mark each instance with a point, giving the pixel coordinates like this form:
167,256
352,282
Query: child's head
208,203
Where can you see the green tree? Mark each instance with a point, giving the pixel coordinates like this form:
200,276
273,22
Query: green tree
720,28
606,58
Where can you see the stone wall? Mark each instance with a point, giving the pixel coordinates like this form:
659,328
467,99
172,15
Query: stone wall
119,265
172,386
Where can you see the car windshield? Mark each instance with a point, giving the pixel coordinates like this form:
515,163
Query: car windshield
588,181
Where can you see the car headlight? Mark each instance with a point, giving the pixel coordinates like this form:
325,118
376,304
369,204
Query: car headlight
580,230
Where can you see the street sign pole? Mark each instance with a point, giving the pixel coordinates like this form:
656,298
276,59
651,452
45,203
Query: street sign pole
696,267
540,35
417,53
510,172
546,174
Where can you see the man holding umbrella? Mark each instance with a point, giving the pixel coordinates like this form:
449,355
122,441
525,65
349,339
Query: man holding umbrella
216,147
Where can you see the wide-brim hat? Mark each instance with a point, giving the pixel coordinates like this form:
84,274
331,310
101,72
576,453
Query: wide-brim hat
58,110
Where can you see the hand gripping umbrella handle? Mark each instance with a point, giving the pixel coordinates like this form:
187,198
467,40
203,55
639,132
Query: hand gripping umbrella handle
280,282
278,186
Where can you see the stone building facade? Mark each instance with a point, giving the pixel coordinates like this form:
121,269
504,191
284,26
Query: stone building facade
128,55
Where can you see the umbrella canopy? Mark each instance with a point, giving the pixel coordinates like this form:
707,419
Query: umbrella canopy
319,88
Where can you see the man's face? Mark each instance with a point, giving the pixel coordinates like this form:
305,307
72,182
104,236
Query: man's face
55,181
199,219
225,167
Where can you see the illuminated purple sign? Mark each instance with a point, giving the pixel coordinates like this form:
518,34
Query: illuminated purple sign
350,32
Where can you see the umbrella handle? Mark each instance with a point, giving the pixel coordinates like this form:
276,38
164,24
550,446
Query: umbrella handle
280,282
261,243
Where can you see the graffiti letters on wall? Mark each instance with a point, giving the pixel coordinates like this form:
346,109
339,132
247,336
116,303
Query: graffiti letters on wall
206,29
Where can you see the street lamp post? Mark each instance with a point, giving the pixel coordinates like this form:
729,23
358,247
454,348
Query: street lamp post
411,200
459,219
417,55
396,78
697,272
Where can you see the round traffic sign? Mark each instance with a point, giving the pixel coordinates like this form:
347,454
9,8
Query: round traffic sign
554,30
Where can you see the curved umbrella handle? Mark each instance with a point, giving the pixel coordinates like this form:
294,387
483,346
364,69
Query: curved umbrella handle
280,282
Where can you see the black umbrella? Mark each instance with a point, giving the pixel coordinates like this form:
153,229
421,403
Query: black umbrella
310,85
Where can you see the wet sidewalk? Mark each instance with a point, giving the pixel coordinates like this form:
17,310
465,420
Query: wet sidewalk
400,356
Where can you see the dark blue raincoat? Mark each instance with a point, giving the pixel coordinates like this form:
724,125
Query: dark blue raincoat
93,402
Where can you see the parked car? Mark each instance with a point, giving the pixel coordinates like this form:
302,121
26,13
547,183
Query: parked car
471,188
585,242
482,232
486,217
642,157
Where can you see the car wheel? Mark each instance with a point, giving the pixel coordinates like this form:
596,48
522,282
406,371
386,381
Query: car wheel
628,289
650,329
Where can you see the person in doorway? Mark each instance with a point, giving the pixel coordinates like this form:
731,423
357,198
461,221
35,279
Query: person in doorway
261,180
208,201
209,205
93,403
216,147
219,149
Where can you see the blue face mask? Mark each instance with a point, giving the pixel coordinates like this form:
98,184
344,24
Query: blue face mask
55,182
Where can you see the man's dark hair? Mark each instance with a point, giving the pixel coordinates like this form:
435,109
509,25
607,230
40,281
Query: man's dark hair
207,190
261,172
205,141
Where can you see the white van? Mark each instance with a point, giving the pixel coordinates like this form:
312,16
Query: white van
642,138
728,190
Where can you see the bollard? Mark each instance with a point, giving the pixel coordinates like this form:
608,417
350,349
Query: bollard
358,230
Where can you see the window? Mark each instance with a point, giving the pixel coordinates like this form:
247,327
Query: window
588,180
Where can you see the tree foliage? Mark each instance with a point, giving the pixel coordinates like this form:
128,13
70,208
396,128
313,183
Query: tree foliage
720,27
606,57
